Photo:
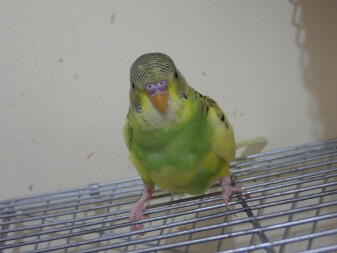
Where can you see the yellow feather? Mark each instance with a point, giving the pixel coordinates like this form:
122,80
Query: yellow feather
223,138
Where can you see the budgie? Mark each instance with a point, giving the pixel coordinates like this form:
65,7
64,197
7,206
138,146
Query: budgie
179,139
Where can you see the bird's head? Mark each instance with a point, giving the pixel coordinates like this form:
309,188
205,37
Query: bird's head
151,76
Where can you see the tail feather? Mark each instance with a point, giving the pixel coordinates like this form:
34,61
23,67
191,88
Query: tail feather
252,146
255,140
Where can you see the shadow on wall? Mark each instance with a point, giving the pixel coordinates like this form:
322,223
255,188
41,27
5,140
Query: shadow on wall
316,35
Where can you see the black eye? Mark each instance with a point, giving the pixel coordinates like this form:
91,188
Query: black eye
133,85
176,74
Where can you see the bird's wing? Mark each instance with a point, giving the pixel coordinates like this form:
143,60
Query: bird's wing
128,137
223,141
128,131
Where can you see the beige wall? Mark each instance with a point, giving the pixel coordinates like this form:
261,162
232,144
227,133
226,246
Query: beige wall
64,69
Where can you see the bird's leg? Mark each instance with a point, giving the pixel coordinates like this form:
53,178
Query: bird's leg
138,209
228,188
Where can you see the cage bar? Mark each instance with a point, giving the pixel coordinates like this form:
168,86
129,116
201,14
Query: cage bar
292,208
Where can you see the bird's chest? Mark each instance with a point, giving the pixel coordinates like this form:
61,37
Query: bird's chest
176,147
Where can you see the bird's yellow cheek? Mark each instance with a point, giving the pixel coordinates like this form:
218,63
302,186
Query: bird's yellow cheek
183,109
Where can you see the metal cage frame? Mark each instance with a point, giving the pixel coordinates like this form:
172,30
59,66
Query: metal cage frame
292,208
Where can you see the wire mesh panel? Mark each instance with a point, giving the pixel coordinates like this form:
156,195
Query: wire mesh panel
291,207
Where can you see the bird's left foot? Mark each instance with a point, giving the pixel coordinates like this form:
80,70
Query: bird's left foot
229,188
137,212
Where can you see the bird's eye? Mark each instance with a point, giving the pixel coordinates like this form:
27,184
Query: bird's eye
150,88
162,85
133,85
176,75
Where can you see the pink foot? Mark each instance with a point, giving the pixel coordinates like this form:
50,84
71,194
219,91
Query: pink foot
228,189
137,211
136,214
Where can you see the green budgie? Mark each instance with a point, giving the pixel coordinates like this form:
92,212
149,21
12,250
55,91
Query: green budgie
178,139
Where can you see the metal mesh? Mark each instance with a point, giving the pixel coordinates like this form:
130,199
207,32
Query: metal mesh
293,207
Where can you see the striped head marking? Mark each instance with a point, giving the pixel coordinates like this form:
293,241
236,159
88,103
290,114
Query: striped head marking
151,68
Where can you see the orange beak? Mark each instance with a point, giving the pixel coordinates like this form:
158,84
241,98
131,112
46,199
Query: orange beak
160,101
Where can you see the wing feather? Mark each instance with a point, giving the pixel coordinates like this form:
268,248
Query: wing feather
223,139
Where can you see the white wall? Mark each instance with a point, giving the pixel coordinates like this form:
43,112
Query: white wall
64,78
